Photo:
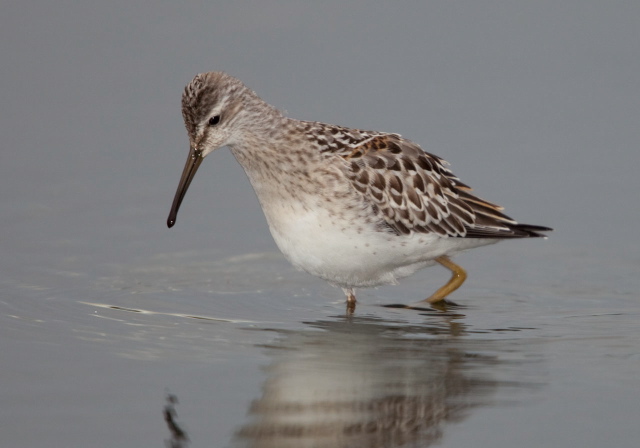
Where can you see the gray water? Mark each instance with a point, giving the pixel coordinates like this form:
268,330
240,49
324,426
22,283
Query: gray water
104,312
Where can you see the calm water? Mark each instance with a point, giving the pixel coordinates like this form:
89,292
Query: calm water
104,312
259,355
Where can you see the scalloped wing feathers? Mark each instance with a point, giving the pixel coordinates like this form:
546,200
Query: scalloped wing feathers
414,191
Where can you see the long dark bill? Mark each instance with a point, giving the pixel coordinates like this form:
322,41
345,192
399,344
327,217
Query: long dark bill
193,162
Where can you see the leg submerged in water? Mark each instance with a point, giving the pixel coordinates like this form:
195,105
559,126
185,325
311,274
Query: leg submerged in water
351,299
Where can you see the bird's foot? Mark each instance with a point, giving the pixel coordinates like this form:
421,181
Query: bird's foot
444,305
441,305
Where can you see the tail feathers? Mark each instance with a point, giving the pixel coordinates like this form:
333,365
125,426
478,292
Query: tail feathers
507,231
530,230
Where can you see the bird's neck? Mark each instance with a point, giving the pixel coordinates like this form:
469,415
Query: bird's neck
276,156
271,145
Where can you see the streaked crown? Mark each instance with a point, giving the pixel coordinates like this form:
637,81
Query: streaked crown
208,91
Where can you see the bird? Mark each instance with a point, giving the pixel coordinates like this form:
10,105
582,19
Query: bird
356,208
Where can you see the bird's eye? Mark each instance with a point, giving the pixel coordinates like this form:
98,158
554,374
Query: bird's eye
214,120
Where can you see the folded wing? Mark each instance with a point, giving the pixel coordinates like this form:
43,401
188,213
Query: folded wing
414,191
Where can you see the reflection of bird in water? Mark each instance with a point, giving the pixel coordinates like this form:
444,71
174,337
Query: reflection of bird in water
356,208
365,384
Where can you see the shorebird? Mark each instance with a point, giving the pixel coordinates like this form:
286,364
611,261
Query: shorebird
356,208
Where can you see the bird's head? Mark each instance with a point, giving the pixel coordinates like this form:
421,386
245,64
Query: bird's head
216,108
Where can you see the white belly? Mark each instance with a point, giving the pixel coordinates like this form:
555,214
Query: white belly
350,255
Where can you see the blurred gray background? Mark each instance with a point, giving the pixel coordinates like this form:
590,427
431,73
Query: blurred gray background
535,105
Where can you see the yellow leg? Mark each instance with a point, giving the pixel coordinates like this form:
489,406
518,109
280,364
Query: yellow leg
457,279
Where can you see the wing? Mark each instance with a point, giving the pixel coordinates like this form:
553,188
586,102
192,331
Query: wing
414,191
